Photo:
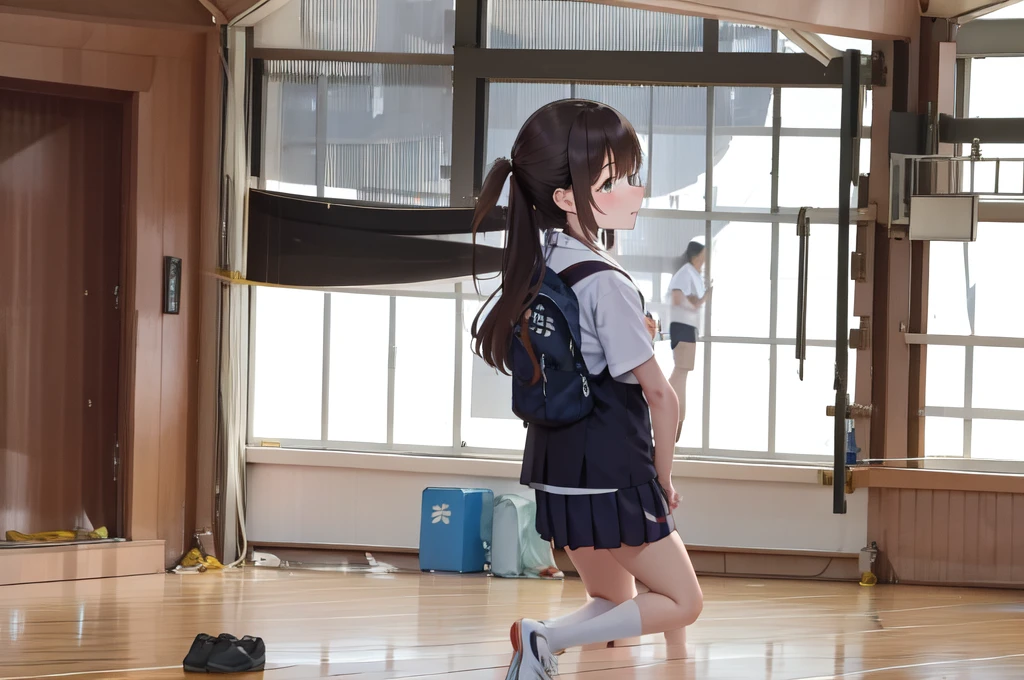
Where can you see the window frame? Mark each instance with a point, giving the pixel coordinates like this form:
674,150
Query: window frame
967,413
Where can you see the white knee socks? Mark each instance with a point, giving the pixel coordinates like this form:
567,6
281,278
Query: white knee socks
616,624
595,607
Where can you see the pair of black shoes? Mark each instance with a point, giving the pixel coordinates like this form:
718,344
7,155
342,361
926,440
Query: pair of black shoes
225,654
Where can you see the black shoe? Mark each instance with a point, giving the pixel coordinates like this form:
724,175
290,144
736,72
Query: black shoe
202,649
247,654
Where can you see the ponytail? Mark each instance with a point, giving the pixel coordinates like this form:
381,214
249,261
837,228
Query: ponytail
521,260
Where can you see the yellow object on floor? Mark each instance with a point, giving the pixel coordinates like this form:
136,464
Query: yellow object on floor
194,558
56,536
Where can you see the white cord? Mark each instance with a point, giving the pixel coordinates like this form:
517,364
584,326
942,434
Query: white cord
235,444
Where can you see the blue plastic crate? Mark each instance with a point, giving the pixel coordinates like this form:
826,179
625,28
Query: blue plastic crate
455,529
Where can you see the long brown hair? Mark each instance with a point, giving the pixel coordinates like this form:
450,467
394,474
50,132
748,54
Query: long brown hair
562,145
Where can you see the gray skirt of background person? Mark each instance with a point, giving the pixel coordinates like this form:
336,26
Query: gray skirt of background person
684,345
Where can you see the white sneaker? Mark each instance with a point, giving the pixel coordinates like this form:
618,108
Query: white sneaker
533,660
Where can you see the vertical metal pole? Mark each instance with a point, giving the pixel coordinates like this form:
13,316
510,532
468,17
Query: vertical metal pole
459,349
803,232
469,105
848,134
321,135
650,146
776,137
963,107
251,376
710,45
325,400
709,192
392,360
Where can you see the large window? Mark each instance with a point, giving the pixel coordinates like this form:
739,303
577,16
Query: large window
729,166
975,356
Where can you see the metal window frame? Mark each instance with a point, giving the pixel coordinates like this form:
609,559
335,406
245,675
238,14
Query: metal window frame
474,65
968,413
977,39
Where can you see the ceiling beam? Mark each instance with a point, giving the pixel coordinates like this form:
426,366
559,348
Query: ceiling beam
155,13
667,68
250,12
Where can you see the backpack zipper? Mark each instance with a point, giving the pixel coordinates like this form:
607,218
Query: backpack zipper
544,375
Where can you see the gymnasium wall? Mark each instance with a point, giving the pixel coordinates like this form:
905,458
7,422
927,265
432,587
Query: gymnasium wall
171,193
337,498
945,527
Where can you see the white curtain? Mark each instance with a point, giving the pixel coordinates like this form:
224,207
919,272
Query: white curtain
234,353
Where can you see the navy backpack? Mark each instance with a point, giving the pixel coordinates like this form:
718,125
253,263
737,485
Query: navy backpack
550,380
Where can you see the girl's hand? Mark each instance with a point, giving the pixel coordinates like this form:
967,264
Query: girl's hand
652,326
670,491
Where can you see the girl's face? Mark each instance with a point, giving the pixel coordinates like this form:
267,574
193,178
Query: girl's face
698,260
618,200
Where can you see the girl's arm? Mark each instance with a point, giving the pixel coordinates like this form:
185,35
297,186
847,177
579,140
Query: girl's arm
678,296
664,415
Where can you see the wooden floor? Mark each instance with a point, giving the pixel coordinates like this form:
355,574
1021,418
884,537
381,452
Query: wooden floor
324,624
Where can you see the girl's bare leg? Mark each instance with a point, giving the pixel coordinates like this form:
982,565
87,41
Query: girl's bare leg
675,640
675,599
606,581
684,357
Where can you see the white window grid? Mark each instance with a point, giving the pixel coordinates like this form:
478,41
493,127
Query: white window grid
968,413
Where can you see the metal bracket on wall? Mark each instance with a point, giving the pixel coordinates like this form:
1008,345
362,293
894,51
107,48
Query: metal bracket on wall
858,267
860,338
879,70
826,477
853,411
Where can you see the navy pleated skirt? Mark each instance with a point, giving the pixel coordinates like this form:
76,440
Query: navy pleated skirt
632,517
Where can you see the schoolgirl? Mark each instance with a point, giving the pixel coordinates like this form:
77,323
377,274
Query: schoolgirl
603,485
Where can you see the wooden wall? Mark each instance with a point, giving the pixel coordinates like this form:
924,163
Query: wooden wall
169,127
968,536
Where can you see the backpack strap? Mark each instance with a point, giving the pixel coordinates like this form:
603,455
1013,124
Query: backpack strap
575,273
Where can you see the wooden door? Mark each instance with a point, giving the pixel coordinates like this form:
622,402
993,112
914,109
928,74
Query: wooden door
60,265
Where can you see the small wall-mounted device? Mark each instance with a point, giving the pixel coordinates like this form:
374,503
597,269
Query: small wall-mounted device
172,285
950,217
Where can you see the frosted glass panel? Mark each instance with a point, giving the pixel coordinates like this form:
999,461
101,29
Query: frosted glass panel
405,26
358,399
801,424
741,270
739,397
424,370
545,25
943,437
487,418
288,364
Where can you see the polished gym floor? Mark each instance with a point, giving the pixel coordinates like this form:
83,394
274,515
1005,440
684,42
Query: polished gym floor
411,625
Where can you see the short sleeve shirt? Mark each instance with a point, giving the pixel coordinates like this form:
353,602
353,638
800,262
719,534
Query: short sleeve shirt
612,317
689,281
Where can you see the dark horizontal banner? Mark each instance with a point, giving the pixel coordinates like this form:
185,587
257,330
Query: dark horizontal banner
380,218
294,241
